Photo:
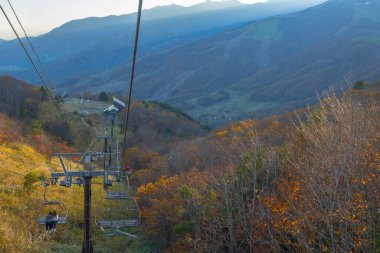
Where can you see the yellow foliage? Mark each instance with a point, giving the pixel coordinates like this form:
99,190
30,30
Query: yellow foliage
237,128
222,133
19,207
22,159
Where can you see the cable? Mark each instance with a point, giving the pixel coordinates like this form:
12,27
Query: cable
16,173
50,93
31,60
132,75
33,49
87,152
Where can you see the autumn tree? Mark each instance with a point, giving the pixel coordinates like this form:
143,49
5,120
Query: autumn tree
331,192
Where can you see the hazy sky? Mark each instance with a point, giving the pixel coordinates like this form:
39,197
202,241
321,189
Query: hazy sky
40,16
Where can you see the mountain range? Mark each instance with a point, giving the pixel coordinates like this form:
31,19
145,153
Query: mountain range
80,48
218,65
265,67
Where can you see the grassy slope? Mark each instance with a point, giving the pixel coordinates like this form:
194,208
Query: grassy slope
19,207
25,147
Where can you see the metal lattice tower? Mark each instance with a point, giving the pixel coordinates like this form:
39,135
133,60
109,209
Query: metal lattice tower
103,159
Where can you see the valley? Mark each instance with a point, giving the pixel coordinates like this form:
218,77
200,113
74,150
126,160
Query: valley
93,56
224,127
262,67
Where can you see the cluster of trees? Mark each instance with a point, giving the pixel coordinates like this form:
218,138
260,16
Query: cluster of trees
156,127
103,96
307,181
312,186
19,99
31,109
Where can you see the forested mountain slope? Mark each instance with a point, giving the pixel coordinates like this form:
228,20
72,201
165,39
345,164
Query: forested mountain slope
80,48
303,182
32,129
268,66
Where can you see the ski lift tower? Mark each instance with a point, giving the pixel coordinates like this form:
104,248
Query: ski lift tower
111,172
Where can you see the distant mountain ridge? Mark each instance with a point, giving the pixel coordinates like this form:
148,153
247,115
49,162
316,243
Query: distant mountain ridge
265,67
81,48
173,10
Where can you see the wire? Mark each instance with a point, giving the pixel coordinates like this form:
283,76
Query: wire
46,78
33,49
132,75
14,172
46,85
87,152
17,173
31,60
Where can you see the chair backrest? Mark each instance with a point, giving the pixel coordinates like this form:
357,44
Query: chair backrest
42,220
117,223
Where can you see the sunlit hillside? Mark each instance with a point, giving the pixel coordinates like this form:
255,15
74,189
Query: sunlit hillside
23,169
27,142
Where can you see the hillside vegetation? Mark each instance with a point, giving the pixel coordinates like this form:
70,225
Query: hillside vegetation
22,168
304,182
27,141
266,67
88,46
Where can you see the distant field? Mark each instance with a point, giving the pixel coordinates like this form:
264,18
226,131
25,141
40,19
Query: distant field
85,106
236,107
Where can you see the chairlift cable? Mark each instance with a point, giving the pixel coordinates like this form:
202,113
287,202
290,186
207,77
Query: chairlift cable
50,93
14,172
31,60
87,152
132,74
17,173
50,88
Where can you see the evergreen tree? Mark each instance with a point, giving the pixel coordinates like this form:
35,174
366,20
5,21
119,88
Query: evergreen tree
103,96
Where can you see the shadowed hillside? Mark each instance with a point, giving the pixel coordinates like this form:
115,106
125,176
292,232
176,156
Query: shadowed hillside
265,67
80,48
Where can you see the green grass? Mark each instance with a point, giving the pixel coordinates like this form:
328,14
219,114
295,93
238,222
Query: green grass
221,113
73,105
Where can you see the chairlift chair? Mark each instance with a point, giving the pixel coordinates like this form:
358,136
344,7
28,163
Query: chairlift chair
51,205
116,195
116,213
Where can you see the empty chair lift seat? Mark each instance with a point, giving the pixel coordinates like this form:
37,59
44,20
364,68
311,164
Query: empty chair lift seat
116,195
106,224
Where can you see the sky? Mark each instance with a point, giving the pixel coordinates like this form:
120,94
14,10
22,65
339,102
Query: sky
41,16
